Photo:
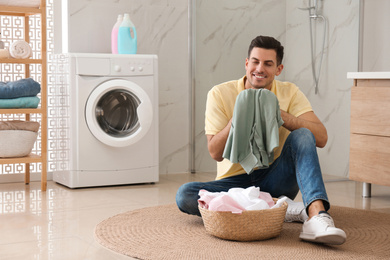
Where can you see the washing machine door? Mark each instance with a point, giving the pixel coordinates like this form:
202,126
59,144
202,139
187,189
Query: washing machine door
118,113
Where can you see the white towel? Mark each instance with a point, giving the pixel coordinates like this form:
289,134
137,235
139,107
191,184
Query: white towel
24,3
20,50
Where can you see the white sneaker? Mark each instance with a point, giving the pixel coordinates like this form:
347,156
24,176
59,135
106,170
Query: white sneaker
296,211
321,229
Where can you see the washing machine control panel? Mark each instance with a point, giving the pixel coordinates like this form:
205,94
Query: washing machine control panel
132,67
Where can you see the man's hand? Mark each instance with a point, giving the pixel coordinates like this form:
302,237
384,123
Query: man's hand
307,120
216,143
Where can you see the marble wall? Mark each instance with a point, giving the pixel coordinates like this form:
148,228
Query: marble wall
162,29
224,31
332,103
375,51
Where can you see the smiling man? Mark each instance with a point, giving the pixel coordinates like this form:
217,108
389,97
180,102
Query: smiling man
295,165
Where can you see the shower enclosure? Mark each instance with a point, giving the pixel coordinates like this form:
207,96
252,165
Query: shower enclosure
222,31
314,20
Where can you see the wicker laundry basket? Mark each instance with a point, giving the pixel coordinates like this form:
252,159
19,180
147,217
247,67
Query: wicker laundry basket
250,225
16,143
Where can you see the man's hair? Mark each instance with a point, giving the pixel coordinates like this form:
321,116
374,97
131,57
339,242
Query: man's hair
267,42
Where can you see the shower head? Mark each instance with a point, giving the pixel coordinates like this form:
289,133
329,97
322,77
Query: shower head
306,8
315,7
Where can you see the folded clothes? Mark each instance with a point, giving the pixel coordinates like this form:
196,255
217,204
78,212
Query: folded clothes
19,125
19,88
23,102
236,200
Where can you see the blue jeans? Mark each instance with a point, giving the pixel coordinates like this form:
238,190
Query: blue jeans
297,168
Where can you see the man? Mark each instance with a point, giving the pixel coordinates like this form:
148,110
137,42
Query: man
295,166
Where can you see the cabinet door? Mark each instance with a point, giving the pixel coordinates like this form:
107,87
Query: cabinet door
370,110
369,159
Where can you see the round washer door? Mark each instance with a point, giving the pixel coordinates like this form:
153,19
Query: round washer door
118,113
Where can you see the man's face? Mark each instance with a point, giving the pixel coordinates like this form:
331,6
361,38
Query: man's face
261,68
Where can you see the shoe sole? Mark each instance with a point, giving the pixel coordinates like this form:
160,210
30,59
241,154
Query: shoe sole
331,238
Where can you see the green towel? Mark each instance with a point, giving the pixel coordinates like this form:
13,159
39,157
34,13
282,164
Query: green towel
255,129
22,102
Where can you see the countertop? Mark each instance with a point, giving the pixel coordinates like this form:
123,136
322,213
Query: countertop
369,75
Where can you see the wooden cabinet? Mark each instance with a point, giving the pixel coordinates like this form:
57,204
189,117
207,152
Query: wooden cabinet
26,12
370,129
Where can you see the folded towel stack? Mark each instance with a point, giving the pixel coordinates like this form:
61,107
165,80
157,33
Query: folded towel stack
19,94
24,3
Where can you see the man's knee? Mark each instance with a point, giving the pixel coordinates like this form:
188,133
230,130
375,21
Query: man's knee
303,136
187,198
181,195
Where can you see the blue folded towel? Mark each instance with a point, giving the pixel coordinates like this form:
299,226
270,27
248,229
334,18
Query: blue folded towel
23,102
20,88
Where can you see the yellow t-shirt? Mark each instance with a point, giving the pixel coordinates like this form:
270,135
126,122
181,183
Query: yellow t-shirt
220,106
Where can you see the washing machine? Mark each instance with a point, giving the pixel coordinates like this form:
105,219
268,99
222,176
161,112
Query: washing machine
112,120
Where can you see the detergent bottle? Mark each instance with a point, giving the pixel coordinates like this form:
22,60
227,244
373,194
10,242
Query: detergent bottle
127,37
114,35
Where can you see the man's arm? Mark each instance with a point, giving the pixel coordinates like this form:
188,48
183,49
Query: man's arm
307,120
216,143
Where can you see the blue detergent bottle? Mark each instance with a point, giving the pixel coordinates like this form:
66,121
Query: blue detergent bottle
127,37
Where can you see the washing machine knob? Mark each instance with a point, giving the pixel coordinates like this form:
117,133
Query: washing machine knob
117,68
132,68
140,68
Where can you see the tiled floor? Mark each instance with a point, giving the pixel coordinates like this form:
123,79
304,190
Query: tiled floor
59,224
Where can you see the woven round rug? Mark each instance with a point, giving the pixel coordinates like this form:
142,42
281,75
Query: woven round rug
163,232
